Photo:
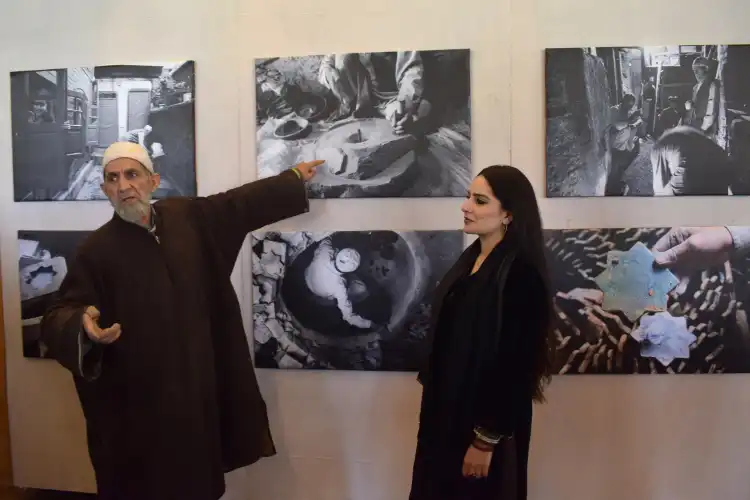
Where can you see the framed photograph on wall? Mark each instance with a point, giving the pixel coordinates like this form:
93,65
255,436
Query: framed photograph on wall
44,258
63,119
648,121
388,124
624,304
347,300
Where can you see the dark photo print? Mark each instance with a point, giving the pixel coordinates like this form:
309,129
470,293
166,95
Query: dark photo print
350,300
64,119
648,121
636,300
44,257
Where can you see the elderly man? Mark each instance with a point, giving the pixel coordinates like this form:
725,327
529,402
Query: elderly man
704,108
149,325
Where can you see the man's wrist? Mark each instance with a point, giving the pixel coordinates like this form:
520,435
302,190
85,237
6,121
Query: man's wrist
296,171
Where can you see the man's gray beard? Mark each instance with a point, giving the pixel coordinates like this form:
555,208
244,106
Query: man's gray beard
135,212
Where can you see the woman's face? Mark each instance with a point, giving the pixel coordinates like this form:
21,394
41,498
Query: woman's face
483,213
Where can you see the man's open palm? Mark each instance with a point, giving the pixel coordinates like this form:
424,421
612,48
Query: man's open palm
95,332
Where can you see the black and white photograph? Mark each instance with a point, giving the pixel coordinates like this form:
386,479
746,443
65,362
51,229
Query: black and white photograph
638,301
648,121
64,119
348,300
43,259
387,124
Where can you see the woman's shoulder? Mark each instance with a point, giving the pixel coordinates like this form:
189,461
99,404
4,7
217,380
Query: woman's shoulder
522,266
524,272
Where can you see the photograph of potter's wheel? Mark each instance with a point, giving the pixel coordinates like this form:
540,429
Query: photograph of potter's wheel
346,300
387,124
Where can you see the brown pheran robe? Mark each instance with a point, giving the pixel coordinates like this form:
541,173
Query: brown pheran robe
174,403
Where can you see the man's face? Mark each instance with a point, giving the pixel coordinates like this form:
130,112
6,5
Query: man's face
129,187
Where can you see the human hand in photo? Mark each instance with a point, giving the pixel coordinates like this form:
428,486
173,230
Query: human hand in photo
307,169
476,462
95,332
685,250
399,116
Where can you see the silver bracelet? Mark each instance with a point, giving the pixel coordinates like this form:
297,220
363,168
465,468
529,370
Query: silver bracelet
486,439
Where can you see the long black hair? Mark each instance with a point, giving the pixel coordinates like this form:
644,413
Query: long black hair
516,195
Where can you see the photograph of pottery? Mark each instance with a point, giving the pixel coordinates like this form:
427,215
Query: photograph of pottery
387,124
346,300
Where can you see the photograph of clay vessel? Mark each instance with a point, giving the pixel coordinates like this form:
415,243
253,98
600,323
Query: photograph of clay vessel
350,300
637,300
648,121
388,124
43,258
64,118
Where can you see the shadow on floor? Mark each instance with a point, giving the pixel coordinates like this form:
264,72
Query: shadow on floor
19,494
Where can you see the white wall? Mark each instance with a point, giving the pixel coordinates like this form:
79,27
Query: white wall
351,435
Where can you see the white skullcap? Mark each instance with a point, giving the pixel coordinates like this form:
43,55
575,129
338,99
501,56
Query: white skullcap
128,150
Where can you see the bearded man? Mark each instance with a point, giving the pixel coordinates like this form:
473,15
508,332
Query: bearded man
166,384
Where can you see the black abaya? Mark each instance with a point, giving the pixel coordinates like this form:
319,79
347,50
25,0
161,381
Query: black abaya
487,327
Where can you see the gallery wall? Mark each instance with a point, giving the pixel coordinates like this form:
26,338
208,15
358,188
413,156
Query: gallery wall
351,434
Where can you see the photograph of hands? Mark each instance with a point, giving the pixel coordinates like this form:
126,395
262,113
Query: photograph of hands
651,300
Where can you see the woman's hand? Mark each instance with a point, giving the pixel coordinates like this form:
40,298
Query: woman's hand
477,462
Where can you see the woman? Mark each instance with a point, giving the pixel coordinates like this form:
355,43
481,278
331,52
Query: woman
490,350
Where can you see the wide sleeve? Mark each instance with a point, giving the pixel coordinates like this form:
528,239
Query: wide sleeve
409,76
327,71
62,325
506,384
231,215
740,238
712,106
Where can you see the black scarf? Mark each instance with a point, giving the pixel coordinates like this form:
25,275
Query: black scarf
484,296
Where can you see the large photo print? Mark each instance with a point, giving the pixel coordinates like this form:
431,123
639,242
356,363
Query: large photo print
349,300
648,121
64,119
43,261
387,124
651,300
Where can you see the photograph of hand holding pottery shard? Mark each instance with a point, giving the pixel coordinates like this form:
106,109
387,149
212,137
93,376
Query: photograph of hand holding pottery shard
387,124
648,121
637,300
